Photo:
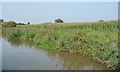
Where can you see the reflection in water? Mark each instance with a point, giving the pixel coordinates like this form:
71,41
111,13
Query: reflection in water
20,42
18,55
73,61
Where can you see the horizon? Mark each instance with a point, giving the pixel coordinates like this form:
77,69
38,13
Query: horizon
60,23
43,12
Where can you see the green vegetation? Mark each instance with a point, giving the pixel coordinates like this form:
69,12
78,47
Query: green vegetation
96,39
28,23
21,24
9,24
59,21
1,20
0,29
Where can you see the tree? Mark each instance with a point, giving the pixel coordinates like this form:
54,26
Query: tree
21,24
59,21
28,23
100,20
1,20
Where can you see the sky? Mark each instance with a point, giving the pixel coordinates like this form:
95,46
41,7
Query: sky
59,0
40,12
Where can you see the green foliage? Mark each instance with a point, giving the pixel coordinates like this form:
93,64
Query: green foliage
1,29
28,23
21,24
30,34
15,34
9,24
96,39
1,20
59,21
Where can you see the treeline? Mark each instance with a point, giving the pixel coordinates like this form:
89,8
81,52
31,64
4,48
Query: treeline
1,20
13,24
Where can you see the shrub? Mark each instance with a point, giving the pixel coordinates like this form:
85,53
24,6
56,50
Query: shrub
30,34
28,23
100,20
21,24
1,20
59,21
9,24
15,34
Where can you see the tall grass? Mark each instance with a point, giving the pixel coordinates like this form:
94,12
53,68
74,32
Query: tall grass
1,29
96,39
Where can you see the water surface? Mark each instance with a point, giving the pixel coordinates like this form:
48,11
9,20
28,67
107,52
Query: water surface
26,56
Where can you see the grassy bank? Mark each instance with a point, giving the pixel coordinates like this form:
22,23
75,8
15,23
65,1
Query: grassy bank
1,29
96,39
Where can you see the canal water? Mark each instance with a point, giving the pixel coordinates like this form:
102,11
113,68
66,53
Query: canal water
17,55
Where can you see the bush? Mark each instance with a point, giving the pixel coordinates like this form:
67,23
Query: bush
21,24
30,34
1,20
59,21
9,24
100,20
28,23
15,34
